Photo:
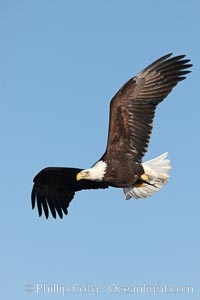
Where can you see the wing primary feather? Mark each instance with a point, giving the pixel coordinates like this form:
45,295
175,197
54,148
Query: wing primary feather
39,204
45,208
58,204
33,196
51,204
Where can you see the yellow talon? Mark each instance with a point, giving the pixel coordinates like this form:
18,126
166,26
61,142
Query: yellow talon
145,177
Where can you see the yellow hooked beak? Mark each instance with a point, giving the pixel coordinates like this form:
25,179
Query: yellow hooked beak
82,175
79,176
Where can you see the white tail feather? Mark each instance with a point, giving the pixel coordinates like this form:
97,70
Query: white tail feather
157,170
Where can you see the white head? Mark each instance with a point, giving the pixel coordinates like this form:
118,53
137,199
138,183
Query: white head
94,173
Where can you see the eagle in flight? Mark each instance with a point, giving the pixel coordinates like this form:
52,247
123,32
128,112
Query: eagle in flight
132,111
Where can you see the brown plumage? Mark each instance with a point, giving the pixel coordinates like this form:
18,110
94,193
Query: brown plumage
132,110
133,107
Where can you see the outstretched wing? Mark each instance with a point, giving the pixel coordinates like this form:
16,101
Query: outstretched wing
54,188
133,107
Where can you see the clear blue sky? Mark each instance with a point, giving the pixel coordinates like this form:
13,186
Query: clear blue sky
60,64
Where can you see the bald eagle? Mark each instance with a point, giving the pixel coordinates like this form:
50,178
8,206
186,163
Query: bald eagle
132,111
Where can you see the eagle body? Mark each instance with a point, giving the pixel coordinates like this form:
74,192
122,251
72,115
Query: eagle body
122,175
132,110
116,173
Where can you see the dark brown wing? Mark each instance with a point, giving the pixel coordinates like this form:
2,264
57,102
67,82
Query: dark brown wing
132,109
54,188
